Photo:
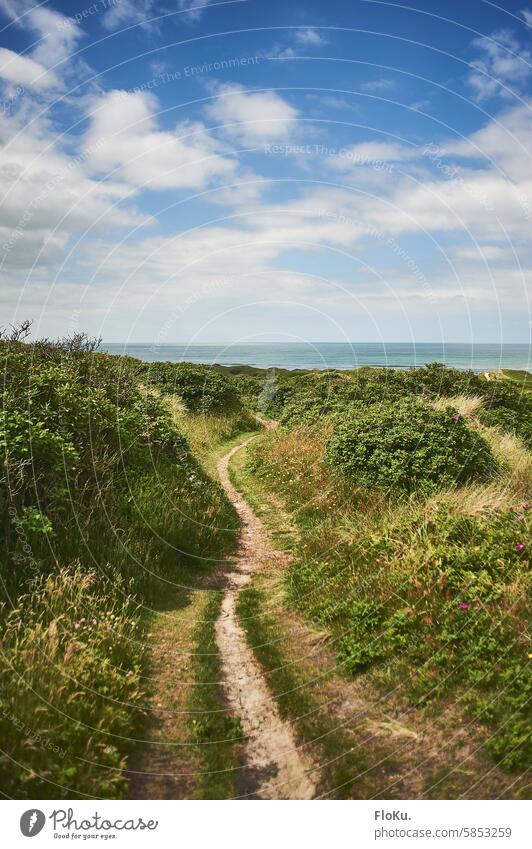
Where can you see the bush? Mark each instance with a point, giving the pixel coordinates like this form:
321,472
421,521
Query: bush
407,445
202,388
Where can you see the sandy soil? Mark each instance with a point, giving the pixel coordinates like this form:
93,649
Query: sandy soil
274,767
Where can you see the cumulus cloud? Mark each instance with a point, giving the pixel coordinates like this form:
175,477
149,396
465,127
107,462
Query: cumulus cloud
48,196
502,144
502,68
251,117
56,38
124,138
56,35
23,71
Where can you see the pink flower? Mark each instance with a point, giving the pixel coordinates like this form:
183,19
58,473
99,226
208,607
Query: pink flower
456,418
526,506
519,546
520,518
191,478
430,522
464,605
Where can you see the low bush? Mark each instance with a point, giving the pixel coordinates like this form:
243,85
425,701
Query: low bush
407,446
202,388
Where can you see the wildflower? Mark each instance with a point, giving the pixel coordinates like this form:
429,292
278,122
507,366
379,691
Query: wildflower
456,418
519,546
191,478
520,518
430,522
526,506
464,605
530,655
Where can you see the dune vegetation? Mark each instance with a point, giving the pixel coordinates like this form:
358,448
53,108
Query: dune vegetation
105,515
411,495
408,493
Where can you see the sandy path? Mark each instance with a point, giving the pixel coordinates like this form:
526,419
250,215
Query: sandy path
274,768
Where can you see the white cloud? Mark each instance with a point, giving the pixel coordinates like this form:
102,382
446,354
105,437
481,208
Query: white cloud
48,196
368,153
21,70
56,34
382,84
127,12
489,253
503,67
334,102
503,143
56,39
193,9
527,15
310,37
252,117
124,138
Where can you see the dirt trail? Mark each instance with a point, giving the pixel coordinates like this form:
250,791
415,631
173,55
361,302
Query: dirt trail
275,768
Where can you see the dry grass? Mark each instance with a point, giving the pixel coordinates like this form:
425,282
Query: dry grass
466,405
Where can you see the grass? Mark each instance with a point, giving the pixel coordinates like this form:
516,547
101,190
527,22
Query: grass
193,748
386,577
217,734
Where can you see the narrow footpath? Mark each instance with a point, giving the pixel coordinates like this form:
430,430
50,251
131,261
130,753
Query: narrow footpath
274,767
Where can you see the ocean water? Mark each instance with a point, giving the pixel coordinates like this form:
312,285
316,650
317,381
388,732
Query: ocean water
337,355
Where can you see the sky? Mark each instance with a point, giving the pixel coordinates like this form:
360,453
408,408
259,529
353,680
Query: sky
248,171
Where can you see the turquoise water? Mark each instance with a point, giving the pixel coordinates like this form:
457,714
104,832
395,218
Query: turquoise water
338,355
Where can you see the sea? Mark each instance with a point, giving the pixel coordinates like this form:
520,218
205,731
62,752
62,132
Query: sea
336,355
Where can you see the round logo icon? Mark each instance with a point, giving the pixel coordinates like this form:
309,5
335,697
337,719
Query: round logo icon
32,822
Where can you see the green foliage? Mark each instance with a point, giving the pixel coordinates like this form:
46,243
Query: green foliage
408,445
101,504
445,598
202,388
427,597
69,686
315,395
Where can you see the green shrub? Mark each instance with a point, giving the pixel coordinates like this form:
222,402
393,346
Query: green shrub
406,446
202,388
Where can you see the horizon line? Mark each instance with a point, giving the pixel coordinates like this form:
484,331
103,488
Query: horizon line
156,344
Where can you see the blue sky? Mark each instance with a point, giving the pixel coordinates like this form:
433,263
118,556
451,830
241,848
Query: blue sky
252,171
